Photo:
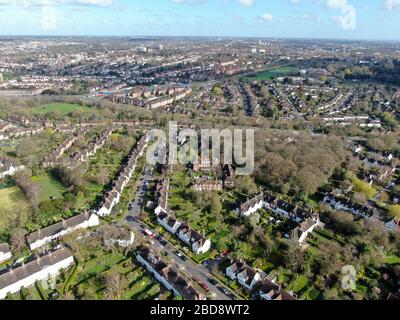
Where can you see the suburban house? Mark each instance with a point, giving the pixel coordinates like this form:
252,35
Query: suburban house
113,196
44,236
167,276
8,167
39,269
300,233
246,276
307,220
195,240
162,190
168,222
123,237
5,252
349,206
273,292
251,206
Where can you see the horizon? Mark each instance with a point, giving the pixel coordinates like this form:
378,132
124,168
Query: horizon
287,19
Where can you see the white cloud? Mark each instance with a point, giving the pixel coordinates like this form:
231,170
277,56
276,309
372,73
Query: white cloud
247,3
336,4
391,5
266,17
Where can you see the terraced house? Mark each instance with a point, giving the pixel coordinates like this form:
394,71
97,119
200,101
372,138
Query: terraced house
167,275
38,269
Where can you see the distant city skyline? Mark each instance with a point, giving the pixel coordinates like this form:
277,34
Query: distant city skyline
327,19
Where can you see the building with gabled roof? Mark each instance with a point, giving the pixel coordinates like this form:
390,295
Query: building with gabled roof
38,269
46,235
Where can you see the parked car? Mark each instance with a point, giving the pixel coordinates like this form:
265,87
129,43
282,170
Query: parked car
213,282
203,285
180,255
223,290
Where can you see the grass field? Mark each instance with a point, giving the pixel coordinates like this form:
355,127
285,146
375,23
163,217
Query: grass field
50,187
392,260
11,197
272,73
63,108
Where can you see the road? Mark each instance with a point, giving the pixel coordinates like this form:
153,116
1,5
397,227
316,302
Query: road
159,243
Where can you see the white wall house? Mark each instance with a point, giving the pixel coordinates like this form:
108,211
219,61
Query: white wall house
10,171
44,236
5,252
169,223
42,268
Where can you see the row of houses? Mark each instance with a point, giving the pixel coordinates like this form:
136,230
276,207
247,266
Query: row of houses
18,133
249,278
347,205
55,231
8,167
90,150
167,275
151,102
38,269
197,242
307,220
52,158
113,196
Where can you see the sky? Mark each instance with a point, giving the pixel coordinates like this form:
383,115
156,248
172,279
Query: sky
330,19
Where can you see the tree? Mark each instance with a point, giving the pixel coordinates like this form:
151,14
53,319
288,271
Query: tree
394,211
295,258
216,205
115,284
17,239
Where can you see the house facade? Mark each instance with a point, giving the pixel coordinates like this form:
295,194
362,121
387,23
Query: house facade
44,236
38,269
246,276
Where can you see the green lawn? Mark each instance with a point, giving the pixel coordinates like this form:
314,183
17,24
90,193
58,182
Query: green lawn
50,187
11,197
272,73
63,108
392,260
298,284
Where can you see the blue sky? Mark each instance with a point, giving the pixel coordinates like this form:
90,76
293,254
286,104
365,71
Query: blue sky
344,19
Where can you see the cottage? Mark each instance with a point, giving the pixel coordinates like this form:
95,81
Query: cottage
192,238
5,252
272,291
38,269
251,206
245,275
44,236
168,222
300,233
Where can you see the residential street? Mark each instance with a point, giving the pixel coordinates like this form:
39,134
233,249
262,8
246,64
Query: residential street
186,265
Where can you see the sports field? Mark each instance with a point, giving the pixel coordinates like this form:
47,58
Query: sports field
63,108
272,73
